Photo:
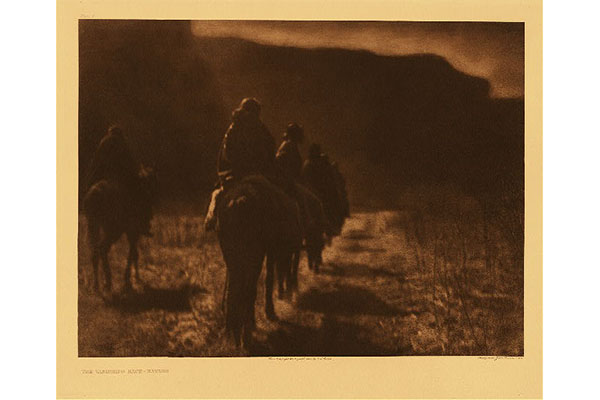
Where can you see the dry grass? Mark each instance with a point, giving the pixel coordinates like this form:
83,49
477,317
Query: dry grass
394,283
471,263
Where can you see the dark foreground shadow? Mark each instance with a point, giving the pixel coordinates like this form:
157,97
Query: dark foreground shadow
344,300
357,247
357,235
332,338
360,270
149,298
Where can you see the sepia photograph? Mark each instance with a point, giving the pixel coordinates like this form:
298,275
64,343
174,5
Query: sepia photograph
300,188
309,199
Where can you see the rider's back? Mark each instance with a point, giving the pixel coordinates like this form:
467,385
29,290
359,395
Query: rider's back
113,160
289,159
114,182
248,147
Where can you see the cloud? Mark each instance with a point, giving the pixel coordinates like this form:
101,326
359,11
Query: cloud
491,50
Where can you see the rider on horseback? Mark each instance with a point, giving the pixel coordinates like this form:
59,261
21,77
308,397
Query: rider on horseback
289,161
247,149
318,174
114,162
288,156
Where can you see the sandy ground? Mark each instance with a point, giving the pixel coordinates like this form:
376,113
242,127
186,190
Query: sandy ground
371,297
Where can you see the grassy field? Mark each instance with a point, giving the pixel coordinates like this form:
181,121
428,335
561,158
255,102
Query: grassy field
394,283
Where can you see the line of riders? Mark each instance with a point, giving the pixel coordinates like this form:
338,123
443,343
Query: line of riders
121,194
249,149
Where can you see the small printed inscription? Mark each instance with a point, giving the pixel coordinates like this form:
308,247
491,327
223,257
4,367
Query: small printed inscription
496,358
300,358
130,371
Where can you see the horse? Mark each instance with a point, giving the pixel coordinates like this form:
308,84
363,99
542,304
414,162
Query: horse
256,220
111,211
315,229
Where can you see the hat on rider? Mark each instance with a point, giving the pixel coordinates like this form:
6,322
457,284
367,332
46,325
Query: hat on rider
251,105
294,131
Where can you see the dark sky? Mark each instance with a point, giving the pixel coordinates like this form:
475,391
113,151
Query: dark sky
494,51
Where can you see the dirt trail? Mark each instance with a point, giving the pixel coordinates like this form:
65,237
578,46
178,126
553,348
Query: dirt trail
370,298
361,302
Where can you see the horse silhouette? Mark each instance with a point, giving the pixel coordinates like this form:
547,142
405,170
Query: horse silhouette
111,211
256,220
314,230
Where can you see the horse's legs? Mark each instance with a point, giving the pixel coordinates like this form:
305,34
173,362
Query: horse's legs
95,260
309,255
318,259
253,273
233,320
132,258
287,262
94,237
282,263
293,277
136,262
127,280
225,288
107,275
269,281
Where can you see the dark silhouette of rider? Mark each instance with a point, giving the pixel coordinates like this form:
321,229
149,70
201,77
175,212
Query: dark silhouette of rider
318,174
247,149
288,156
342,192
114,162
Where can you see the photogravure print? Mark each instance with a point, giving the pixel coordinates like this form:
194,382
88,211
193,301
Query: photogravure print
300,188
